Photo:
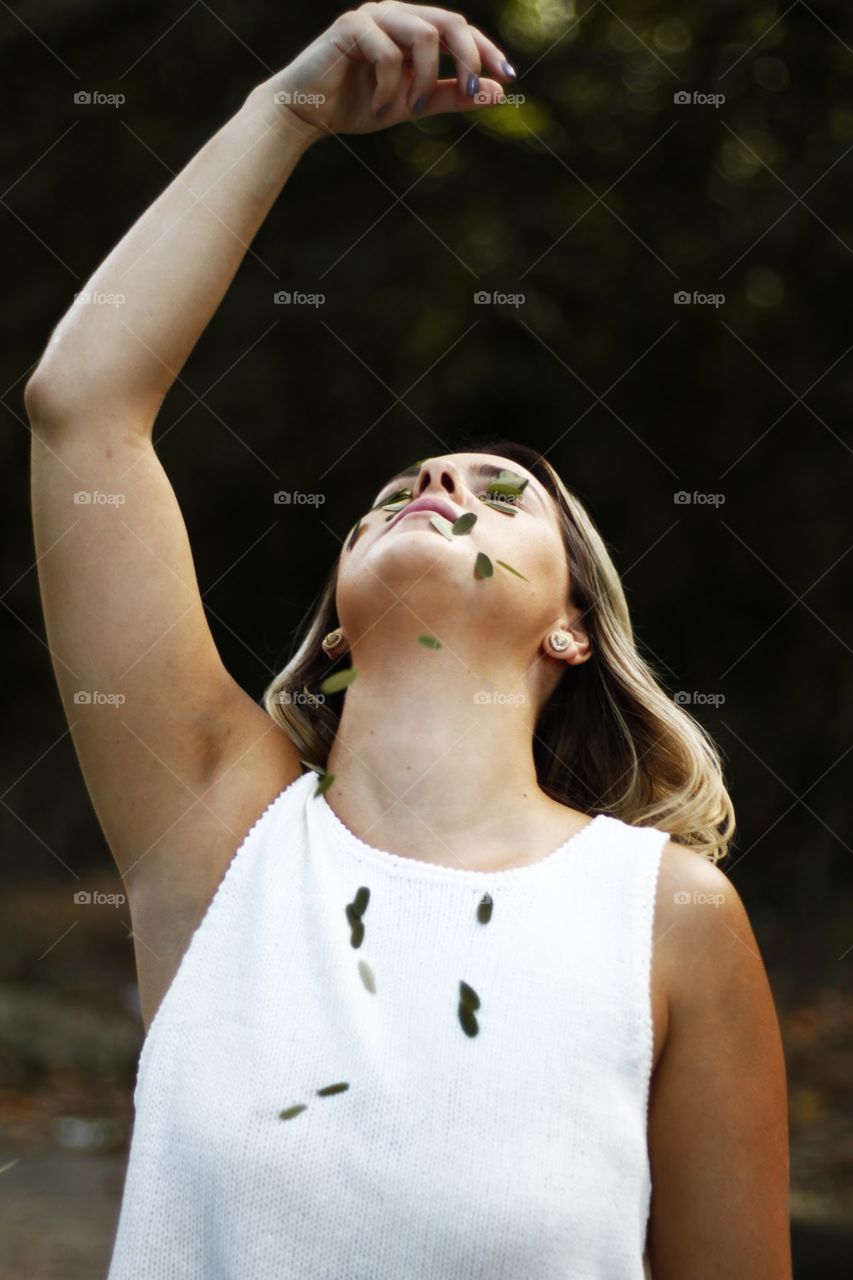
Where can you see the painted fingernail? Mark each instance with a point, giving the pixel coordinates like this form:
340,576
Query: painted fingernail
473,85
420,104
382,111
507,69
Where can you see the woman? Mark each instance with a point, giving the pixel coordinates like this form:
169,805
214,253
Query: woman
456,1007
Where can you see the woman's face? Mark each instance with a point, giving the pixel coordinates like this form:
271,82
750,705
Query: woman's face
402,577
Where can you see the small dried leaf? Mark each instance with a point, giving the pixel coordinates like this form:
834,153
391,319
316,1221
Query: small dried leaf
367,976
504,565
483,567
338,680
464,523
468,1021
484,909
318,768
468,996
361,900
442,524
329,1089
291,1112
497,505
429,642
357,932
324,784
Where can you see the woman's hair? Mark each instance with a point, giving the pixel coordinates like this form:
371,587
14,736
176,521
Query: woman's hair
608,739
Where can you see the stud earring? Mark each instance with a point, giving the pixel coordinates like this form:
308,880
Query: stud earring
559,641
333,640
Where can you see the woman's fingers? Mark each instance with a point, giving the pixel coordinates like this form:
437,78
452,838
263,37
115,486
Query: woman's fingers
365,39
492,58
446,97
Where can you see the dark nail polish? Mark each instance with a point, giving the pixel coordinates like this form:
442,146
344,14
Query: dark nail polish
382,111
419,105
507,69
473,85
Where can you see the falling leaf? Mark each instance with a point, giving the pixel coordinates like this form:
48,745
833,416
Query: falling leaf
357,932
465,523
483,567
308,765
338,680
504,565
399,495
429,642
484,909
444,526
367,976
468,996
468,1021
329,1089
324,784
291,1112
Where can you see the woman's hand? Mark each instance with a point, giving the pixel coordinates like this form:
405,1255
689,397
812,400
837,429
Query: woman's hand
378,65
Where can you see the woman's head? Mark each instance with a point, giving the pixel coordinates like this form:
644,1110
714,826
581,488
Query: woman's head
606,736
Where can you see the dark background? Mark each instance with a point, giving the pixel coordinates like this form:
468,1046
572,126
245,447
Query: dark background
598,199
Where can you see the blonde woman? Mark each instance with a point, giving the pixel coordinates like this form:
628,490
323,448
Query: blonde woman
439,975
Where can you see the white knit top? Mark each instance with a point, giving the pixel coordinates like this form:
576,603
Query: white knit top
370,1067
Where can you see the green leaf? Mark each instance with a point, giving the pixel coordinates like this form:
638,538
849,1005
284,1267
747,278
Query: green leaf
504,565
324,784
484,909
291,1112
468,1020
329,1089
318,768
429,642
483,567
338,680
443,525
367,977
360,901
465,523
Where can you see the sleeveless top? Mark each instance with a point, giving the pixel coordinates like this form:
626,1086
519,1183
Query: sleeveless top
371,1067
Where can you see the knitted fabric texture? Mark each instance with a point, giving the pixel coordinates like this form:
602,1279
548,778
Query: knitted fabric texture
371,1067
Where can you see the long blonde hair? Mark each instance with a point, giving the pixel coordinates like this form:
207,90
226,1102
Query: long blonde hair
608,739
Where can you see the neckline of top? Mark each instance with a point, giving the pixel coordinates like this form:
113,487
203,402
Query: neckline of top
398,863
